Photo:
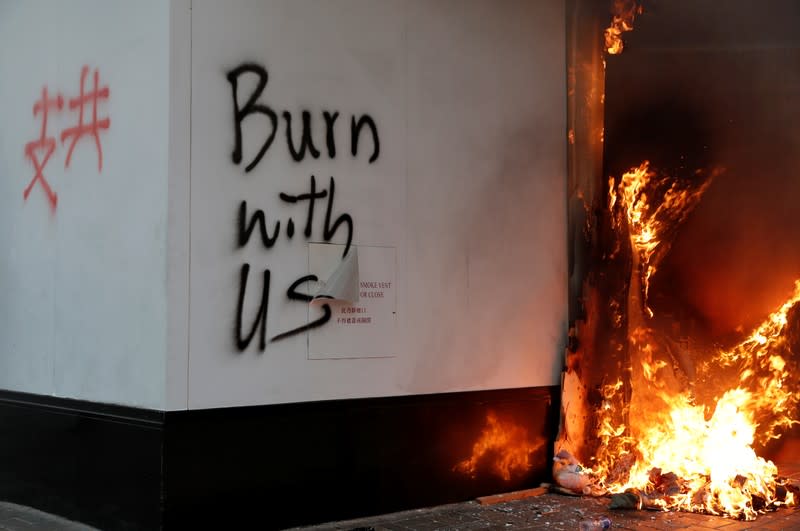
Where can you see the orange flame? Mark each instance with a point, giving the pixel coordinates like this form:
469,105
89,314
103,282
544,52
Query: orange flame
505,446
715,465
763,369
648,225
657,437
624,11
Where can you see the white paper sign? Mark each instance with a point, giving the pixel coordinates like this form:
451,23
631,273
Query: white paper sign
365,328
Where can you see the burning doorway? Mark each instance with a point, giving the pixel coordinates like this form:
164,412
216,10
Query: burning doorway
682,372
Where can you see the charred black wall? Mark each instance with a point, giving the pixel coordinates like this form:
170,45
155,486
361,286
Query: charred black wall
703,83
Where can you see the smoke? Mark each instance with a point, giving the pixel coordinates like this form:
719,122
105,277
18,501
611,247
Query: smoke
702,87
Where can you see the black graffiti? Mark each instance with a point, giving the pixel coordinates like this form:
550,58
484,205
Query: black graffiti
258,219
305,141
295,295
261,317
330,141
252,106
260,320
355,133
329,229
300,143
311,197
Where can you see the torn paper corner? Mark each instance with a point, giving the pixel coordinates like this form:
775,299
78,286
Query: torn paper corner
342,285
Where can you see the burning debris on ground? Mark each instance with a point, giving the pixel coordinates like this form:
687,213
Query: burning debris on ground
657,412
663,444
555,512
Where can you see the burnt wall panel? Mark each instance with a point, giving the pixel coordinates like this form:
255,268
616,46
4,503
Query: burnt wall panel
701,86
709,97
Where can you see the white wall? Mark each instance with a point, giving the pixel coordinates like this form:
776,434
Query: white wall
114,297
461,217
83,285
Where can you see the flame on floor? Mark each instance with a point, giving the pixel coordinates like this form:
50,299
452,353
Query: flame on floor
664,441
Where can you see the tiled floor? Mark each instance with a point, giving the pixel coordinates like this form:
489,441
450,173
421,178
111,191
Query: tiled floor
545,512
559,512
15,517
556,512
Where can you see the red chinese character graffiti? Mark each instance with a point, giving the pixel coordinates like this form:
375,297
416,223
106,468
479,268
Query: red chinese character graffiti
40,150
93,128
43,147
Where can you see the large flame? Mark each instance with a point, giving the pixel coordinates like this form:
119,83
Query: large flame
709,462
687,443
765,367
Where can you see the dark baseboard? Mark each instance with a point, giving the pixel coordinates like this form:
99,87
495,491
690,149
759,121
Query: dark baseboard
94,463
307,463
275,466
